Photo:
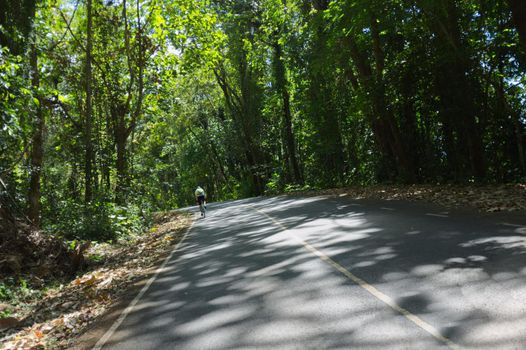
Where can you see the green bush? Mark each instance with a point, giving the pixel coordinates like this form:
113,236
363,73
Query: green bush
98,221
274,185
16,290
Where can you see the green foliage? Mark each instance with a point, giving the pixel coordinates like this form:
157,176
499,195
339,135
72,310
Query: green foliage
253,97
99,221
6,313
15,24
274,185
5,292
17,290
14,98
96,258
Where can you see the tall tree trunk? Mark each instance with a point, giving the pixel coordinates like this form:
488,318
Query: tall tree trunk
72,182
122,170
88,191
120,137
244,112
282,86
8,224
108,151
518,12
322,109
119,110
382,120
250,119
411,133
406,167
210,146
454,87
519,130
37,151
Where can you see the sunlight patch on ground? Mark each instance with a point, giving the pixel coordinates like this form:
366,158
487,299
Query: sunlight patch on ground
426,270
216,319
505,242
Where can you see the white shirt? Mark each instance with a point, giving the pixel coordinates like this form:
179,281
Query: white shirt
199,192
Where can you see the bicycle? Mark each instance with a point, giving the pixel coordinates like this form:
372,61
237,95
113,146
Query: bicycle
202,209
200,198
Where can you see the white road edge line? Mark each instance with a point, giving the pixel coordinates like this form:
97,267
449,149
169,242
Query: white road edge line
102,341
510,225
369,288
438,215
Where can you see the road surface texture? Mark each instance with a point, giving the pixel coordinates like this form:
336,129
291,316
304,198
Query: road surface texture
336,273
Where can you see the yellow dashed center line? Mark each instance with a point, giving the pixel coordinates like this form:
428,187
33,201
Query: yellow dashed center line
369,288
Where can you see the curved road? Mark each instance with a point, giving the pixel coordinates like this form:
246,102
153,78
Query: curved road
336,273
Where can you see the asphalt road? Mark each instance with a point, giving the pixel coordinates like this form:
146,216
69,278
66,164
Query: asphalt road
336,273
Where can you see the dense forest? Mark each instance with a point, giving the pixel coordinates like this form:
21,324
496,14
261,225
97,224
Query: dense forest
111,109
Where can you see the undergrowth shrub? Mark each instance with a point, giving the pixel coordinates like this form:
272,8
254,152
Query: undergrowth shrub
97,221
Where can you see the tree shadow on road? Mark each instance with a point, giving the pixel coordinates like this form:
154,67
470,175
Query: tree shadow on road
241,283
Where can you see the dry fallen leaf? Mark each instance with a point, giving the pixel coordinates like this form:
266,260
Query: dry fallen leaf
90,280
105,283
92,292
39,334
47,328
69,321
58,322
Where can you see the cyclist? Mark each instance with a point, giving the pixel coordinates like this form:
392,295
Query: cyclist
200,197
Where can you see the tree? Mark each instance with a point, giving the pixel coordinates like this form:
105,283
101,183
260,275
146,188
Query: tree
16,19
37,143
518,10
88,118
